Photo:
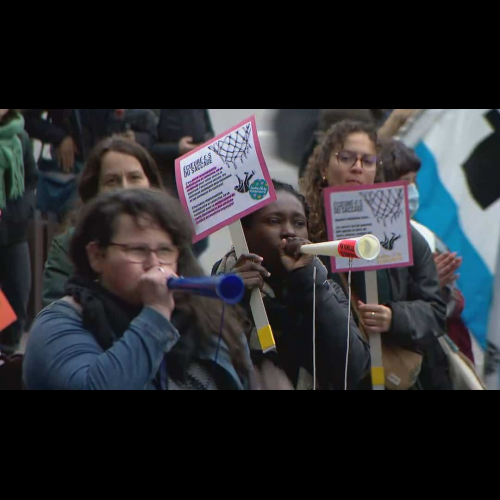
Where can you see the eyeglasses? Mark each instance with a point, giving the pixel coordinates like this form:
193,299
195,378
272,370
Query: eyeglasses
348,159
138,254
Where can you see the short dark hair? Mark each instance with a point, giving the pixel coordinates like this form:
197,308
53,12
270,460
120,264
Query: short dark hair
89,181
97,222
285,188
398,160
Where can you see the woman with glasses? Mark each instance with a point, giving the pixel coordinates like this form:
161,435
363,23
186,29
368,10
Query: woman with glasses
119,327
411,313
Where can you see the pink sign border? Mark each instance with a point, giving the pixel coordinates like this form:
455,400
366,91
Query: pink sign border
329,220
237,217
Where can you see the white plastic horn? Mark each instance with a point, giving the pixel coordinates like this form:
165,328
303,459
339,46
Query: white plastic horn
367,247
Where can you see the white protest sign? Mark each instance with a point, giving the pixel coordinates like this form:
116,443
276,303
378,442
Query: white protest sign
221,182
381,210
224,180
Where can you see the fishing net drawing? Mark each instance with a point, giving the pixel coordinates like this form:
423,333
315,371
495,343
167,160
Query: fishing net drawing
390,243
386,204
244,185
234,147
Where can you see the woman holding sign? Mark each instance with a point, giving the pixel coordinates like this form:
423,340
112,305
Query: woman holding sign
120,327
289,282
411,314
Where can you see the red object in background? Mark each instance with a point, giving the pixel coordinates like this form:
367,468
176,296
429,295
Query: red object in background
120,113
7,314
457,330
11,368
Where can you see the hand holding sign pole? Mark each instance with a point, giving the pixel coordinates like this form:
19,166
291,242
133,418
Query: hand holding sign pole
264,330
221,182
381,210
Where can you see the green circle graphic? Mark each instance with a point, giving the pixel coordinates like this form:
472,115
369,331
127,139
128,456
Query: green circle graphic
259,189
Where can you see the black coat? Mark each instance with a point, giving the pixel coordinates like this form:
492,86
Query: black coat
94,125
15,217
291,318
52,131
174,125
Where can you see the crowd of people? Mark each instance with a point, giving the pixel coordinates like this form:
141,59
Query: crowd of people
109,321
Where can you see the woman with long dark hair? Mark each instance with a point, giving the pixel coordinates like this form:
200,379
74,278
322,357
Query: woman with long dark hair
114,164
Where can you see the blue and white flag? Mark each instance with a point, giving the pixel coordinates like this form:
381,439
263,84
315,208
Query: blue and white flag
460,201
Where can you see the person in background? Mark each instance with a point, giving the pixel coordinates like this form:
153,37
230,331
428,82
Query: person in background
401,163
395,121
18,180
72,133
389,122
138,125
114,164
180,131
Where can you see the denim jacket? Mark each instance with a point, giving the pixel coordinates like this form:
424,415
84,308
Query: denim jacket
63,355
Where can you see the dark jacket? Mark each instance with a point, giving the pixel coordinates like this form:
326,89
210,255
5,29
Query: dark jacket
15,217
92,126
62,354
294,131
144,123
58,269
291,318
174,125
86,126
52,131
419,311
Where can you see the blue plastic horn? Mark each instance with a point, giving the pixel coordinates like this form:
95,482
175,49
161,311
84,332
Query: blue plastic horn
228,288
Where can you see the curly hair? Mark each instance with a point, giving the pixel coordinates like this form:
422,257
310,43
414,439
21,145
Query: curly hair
312,184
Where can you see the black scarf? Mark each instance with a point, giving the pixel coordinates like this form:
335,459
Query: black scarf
108,317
